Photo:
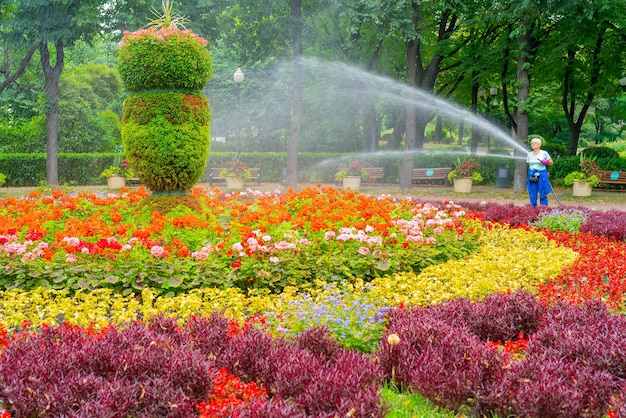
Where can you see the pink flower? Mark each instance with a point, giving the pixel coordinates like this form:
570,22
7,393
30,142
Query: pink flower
157,251
363,250
284,245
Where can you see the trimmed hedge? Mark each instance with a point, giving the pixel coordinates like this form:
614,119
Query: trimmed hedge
84,169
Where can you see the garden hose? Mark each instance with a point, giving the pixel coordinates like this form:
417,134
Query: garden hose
554,193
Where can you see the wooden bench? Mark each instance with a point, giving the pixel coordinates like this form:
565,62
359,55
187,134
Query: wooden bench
214,175
374,174
612,177
427,175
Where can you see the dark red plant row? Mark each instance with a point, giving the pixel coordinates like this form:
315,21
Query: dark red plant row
161,370
574,364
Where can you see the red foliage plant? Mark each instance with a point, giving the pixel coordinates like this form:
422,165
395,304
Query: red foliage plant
160,369
570,364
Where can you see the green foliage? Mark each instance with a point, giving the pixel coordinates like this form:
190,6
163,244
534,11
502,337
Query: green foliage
404,403
167,18
599,152
87,95
177,61
574,176
65,21
74,169
167,138
3,179
174,204
555,150
561,220
164,156
176,107
24,136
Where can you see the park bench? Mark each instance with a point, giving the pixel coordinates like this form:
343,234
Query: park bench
214,175
429,175
612,177
133,181
374,174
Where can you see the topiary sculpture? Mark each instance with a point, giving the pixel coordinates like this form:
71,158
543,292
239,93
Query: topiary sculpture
166,118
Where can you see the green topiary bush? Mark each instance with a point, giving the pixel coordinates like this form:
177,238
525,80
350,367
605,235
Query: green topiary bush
165,120
164,156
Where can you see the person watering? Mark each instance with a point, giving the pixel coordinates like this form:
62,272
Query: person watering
537,182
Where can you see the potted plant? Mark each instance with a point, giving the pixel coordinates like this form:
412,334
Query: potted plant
584,180
464,174
116,174
235,173
351,174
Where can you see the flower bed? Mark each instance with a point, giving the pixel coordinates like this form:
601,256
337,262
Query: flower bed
474,314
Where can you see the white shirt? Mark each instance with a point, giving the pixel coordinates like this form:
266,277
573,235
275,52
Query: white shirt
534,161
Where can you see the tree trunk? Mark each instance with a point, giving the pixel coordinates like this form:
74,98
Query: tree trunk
438,129
521,120
398,132
52,76
371,125
570,106
461,131
296,98
406,174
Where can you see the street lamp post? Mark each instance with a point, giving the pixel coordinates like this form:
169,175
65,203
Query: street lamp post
238,77
488,98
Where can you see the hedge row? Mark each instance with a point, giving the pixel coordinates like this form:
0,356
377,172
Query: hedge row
84,169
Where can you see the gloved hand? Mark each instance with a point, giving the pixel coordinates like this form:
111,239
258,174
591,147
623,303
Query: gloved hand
545,162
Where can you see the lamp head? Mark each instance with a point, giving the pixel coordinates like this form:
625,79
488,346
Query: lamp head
238,76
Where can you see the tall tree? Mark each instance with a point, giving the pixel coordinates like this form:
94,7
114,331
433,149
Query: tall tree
584,40
427,30
52,25
297,93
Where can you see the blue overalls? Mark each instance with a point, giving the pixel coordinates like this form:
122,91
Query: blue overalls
541,187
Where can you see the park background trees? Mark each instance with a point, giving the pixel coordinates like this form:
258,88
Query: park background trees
555,64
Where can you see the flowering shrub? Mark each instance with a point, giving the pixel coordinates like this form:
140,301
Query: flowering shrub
95,242
164,58
466,168
589,172
561,219
123,169
156,33
355,168
236,169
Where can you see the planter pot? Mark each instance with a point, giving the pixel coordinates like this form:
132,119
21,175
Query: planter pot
234,182
115,182
352,182
581,188
463,185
